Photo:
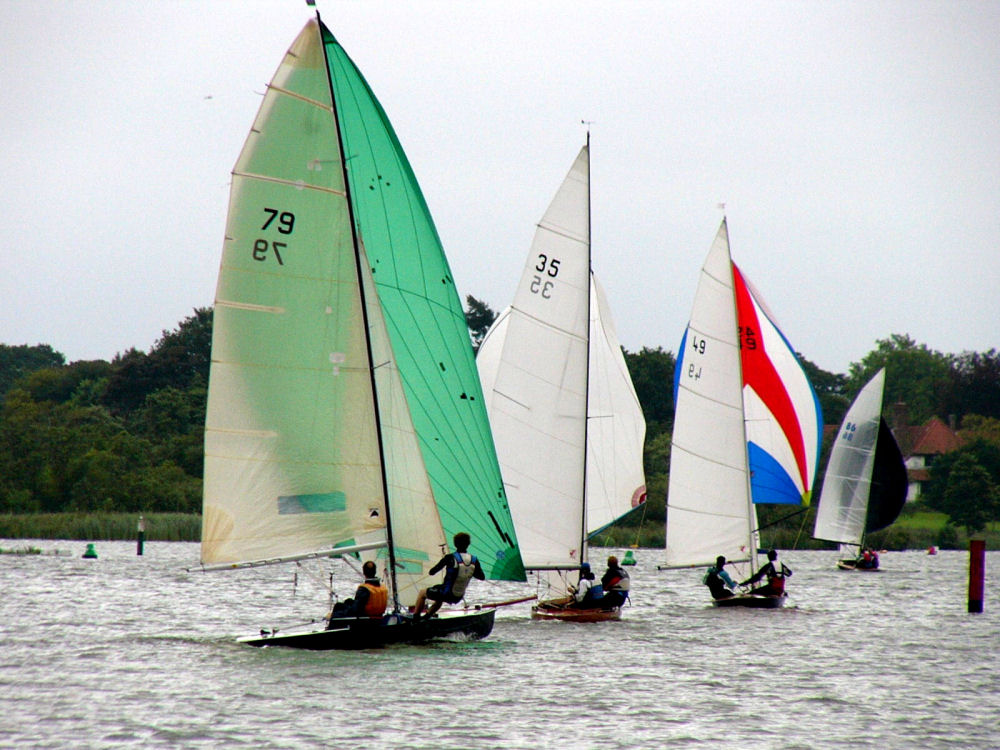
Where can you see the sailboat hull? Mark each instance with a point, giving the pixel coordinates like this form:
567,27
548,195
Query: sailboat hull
852,565
559,609
361,632
753,602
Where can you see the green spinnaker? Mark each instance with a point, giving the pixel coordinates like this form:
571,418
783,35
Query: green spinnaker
426,323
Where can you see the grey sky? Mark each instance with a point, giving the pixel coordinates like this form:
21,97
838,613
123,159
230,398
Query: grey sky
856,146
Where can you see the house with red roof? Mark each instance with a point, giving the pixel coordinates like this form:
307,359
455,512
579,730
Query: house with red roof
921,445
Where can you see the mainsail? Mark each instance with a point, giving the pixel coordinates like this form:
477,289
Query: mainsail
567,423
746,420
312,438
865,485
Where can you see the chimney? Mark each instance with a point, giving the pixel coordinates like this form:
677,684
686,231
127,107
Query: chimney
900,416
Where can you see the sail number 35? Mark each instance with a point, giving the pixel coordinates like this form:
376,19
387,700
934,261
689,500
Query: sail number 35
262,248
546,267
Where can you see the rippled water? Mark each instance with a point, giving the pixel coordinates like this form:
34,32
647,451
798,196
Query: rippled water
129,650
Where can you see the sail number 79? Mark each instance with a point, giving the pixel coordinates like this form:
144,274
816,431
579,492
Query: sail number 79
262,248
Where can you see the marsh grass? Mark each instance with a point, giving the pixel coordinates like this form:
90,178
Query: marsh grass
93,527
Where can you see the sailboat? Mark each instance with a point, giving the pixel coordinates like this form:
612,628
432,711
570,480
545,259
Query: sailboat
345,416
567,423
865,485
746,425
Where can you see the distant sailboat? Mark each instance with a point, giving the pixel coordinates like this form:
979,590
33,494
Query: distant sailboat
865,485
332,430
568,426
746,424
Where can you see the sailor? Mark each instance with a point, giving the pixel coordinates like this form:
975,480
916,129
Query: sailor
460,568
776,574
616,584
369,600
717,580
587,593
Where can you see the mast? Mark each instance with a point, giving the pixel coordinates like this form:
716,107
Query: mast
364,314
752,546
586,398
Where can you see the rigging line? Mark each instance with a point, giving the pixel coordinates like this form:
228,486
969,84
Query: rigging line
642,520
801,526
783,518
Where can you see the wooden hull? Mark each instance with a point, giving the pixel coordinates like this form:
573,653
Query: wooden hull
852,565
362,632
558,609
754,602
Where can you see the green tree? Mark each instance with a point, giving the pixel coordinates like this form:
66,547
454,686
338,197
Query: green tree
18,361
915,375
982,453
652,372
978,427
975,387
478,317
175,360
970,499
656,455
829,390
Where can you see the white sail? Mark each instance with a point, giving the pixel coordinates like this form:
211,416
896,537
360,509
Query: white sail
708,505
843,504
533,368
616,428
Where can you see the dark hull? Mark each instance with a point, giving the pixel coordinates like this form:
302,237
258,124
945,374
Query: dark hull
358,632
754,602
852,565
556,609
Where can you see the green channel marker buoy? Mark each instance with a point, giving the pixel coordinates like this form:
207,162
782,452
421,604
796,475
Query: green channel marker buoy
628,559
91,552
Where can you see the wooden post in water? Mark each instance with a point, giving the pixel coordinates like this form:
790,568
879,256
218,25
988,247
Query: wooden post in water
977,573
142,536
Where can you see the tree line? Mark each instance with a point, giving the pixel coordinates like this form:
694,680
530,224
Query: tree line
127,435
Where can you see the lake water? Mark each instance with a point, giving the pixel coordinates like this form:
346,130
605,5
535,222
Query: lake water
127,651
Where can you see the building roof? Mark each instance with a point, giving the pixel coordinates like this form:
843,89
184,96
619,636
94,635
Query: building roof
931,439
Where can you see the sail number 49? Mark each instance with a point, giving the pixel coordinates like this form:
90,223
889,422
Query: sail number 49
699,345
263,248
545,266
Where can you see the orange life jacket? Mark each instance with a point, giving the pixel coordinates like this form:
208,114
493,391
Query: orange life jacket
378,597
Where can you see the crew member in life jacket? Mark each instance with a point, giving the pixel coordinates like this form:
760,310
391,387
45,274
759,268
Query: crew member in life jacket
718,581
369,600
460,568
586,593
868,560
616,584
776,574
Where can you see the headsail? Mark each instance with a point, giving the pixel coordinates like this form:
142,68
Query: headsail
426,325
865,484
616,427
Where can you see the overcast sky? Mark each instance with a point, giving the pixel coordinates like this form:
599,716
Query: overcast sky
855,145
